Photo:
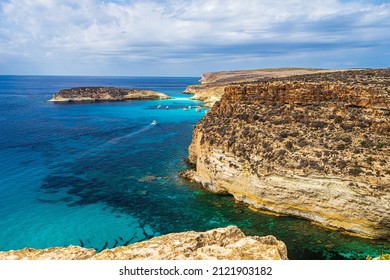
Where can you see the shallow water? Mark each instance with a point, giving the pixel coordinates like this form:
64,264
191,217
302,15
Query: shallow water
99,175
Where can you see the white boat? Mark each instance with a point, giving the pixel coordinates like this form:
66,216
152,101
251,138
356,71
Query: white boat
198,109
167,107
159,107
153,123
185,109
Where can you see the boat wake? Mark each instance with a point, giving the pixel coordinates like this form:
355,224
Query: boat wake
127,136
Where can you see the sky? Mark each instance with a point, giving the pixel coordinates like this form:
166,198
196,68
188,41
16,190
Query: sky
189,37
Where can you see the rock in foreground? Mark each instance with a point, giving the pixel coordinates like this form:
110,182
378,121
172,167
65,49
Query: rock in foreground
228,243
93,94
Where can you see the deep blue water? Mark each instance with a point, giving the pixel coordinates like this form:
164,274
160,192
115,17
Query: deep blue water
77,174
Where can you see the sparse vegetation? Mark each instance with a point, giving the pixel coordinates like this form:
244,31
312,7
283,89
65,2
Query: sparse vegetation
338,119
340,147
301,131
370,160
355,171
319,124
289,146
366,144
342,164
380,145
346,127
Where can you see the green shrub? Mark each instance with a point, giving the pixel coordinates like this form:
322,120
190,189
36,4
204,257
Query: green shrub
289,146
319,124
340,147
380,145
366,143
342,164
370,160
338,119
355,171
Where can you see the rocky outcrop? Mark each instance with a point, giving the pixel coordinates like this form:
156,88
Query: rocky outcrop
312,146
57,253
93,94
206,93
228,243
213,84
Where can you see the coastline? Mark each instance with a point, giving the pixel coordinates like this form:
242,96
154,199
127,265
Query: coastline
271,174
117,118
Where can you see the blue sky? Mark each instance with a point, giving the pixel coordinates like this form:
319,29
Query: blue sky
189,37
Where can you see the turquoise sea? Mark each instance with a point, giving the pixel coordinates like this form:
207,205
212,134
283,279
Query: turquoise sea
100,176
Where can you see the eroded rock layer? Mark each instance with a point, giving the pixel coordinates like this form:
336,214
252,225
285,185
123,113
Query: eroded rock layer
313,146
228,243
213,84
93,94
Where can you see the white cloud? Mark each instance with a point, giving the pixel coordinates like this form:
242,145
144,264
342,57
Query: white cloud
173,31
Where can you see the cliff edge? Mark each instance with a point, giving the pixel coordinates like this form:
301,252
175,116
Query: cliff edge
228,243
93,94
213,84
313,146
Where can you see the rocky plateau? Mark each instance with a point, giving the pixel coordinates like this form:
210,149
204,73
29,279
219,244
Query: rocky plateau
213,84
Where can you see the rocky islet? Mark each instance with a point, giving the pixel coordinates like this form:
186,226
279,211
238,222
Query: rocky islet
94,94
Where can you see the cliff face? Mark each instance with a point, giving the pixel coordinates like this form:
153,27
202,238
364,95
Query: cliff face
218,244
313,146
93,94
213,84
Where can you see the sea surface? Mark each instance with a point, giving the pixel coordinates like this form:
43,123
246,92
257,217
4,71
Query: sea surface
99,175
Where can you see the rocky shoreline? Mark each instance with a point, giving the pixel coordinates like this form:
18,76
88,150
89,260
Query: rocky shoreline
228,243
312,145
315,146
95,94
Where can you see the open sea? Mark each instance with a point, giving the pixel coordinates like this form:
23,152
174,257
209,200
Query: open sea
99,175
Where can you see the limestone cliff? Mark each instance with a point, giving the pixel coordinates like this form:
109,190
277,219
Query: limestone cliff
213,84
219,244
93,94
313,146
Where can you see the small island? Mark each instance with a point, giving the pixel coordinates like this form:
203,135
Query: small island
95,94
